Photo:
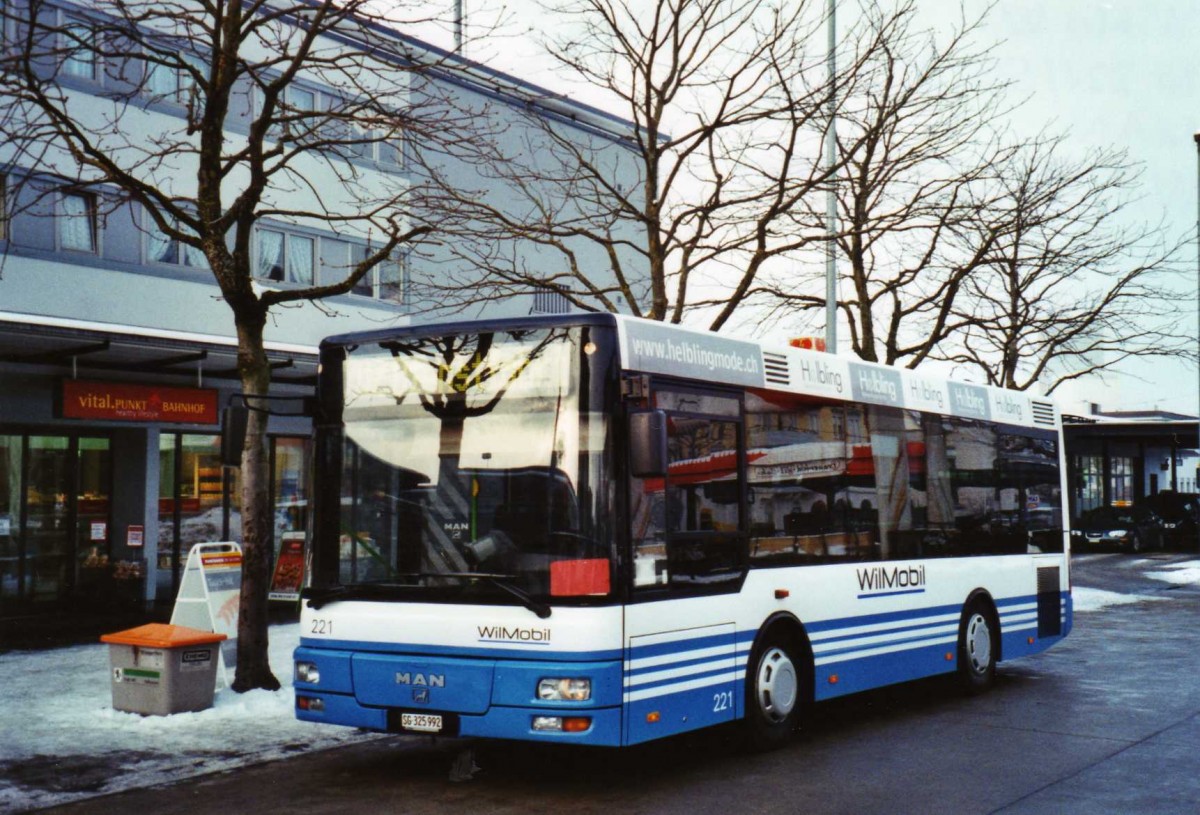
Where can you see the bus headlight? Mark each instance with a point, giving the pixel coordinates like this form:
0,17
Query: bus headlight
578,689
307,672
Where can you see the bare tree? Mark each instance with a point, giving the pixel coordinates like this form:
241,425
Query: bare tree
205,115
1073,285
727,98
917,139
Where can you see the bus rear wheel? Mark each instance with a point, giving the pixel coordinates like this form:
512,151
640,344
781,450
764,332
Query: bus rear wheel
978,642
775,693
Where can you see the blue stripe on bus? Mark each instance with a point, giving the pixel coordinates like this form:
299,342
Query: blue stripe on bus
724,656
676,646
716,670
887,643
904,629
883,617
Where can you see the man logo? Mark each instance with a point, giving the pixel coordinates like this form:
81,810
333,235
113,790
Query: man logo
421,696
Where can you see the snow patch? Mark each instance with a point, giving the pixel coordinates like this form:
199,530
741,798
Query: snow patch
58,712
1186,573
1086,599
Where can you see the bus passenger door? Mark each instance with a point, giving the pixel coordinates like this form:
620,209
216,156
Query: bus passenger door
689,561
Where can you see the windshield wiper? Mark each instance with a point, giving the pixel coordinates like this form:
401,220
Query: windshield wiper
319,597
500,581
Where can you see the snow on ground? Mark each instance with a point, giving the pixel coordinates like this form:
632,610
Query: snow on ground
1180,574
63,741
1086,599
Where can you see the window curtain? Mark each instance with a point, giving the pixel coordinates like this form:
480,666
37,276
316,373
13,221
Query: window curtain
75,227
300,260
269,258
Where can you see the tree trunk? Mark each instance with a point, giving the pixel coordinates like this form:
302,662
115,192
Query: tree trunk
253,665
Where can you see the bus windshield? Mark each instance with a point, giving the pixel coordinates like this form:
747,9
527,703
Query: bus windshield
473,466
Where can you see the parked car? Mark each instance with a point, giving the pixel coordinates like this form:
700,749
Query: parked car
1130,529
1180,513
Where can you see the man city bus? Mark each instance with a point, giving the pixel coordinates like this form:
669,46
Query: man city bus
602,530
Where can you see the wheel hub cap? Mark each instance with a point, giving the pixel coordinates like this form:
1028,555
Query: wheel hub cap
979,643
777,687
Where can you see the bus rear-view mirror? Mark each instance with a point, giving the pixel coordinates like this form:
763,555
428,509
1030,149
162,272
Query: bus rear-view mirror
648,444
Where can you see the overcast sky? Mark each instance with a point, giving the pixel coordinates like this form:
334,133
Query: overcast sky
1123,73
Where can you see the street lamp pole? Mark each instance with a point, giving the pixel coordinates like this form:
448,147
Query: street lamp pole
831,287
1196,138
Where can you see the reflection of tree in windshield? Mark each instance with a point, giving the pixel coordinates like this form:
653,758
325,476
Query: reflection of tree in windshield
457,379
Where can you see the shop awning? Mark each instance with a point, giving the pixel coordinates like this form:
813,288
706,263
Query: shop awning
76,346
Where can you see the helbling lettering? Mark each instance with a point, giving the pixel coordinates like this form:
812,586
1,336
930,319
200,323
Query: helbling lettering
922,391
881,578
419,680
968,401
821,374
1009,406
493,633
874,384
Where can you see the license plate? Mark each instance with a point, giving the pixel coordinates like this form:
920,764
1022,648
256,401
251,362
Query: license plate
421,722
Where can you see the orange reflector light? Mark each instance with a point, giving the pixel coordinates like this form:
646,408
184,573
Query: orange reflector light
576,724
833,679
653,717
809,343
781,594
949,657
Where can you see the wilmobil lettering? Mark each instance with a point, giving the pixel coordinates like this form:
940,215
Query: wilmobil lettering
500,632
880,578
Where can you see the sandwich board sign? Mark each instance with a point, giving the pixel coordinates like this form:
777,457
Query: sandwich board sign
289,568
209,594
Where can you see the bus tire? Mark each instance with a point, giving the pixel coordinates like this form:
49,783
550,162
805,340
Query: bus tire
776,691
978,646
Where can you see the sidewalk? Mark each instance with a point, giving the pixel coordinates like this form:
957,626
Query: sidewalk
63,741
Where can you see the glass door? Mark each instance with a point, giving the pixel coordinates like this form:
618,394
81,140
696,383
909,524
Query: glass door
55,496
48,546
190,504
93,494
10,518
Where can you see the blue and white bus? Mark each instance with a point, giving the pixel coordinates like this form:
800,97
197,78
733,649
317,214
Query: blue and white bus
600,530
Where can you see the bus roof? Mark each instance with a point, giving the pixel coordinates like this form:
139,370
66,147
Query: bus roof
652,347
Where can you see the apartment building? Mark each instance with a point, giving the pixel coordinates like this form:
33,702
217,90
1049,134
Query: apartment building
117,351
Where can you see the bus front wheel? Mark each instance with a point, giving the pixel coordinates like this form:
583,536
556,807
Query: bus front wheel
775,693
977,648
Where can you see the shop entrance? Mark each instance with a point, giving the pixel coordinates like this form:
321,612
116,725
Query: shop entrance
55,517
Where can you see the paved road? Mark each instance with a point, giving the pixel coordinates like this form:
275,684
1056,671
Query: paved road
1107,722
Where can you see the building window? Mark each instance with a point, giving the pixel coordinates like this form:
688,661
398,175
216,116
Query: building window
387,280
284,257
1090,485
162,248
392,282
79,60
164,82
3,208
300,105
77,223
1121,481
